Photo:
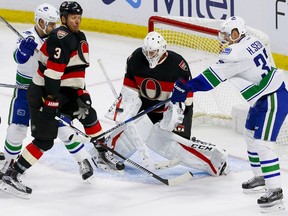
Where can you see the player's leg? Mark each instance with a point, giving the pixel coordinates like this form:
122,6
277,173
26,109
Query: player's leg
44,130
270,115
195,154
18,121
76,149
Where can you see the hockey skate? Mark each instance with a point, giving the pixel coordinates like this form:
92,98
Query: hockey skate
271,201
104,160
86,170
11,184
225,170
254,185
2,157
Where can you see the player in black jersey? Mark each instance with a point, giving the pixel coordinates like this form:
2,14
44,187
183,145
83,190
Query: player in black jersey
58,87
151,71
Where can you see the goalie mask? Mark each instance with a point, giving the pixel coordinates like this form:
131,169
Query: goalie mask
154,48
48,14
229,25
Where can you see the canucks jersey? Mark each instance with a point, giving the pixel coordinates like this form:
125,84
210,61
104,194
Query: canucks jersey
246,65
155,85
26,71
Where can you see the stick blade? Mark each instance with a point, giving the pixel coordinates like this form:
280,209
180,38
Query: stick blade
180,179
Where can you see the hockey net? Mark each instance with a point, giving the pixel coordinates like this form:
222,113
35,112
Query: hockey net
196,39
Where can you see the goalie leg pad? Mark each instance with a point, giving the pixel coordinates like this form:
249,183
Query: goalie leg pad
125,141
203,156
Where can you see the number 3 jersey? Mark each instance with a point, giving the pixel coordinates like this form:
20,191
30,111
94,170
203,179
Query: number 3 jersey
247,66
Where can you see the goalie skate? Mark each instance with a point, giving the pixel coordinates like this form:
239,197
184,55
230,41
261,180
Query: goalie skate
254,185
104,160
271,201
11,185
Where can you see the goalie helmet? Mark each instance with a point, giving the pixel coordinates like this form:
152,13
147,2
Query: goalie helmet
48,13
229,25
154,47
70,7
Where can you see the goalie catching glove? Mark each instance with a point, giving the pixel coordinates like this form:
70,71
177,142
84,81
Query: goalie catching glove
172,117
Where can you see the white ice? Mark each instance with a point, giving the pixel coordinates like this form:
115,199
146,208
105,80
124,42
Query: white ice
58,189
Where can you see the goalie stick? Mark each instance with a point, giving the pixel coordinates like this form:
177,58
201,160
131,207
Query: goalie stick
172,181
141,149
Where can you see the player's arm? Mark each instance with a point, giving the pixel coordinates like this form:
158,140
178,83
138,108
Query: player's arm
24,49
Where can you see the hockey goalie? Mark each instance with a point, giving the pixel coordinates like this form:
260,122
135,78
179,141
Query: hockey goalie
151,71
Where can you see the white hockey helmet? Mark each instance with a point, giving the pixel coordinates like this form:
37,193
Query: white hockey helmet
229,25
153,48
48,13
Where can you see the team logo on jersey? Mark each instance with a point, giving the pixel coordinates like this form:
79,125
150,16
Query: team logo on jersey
61,34
183,65
227,51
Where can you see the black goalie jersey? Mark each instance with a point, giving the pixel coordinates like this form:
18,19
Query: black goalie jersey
155,85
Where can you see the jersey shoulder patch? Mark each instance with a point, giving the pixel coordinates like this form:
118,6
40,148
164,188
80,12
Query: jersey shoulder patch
183,65
61,34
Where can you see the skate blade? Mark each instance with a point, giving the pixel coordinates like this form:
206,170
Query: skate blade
257,190
272,207
12,191
91,180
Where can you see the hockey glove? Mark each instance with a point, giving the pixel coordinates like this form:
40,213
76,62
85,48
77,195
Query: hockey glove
180,91
27,47
84,104
50,108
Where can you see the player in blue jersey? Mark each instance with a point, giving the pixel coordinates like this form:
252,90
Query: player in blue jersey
245,63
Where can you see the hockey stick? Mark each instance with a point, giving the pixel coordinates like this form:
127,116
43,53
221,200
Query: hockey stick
12,28
107,78
13,86
172,181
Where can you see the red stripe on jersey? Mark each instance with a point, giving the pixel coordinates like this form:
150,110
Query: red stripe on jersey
40,73
43,49
84,47
200,156
33,150
130,83
56,66
74,53
78,74
93,130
